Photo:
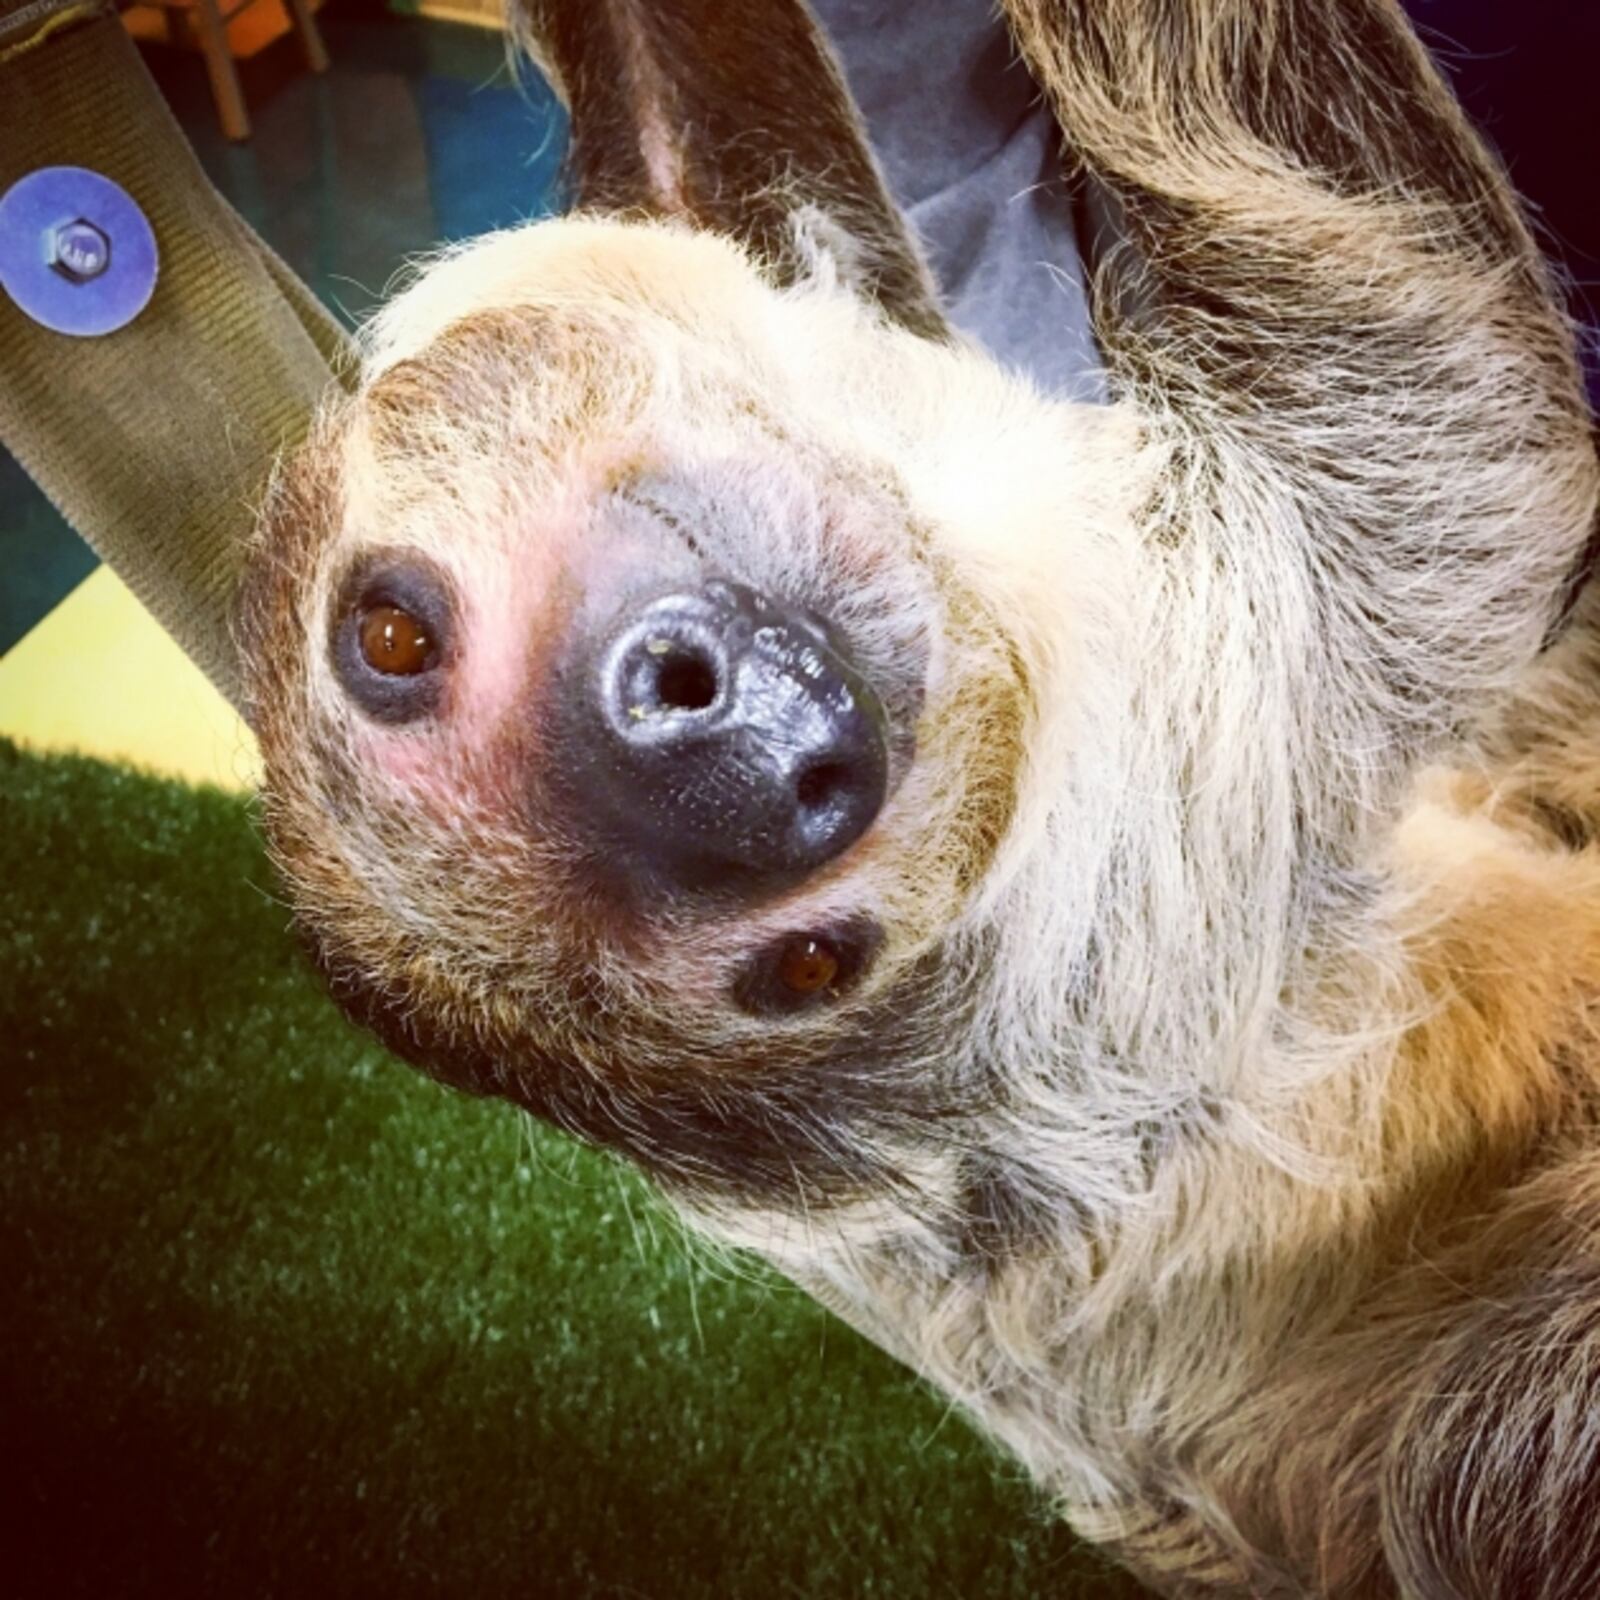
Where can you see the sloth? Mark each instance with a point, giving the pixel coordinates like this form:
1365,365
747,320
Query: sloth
1105,896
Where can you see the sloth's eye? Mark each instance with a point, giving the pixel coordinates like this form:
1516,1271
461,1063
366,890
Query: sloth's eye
803,971
395,642
807,965
392,636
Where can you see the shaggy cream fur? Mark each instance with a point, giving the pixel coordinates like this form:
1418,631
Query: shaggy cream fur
1215,1122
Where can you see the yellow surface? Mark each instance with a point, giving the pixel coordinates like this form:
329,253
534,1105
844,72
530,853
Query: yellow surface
98,675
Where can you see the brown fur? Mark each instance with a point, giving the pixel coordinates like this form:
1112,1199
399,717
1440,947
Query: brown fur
1216,1122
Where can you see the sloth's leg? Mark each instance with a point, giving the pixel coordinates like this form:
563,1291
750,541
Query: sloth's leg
1491,1478
1327,299
1448,1443
735,118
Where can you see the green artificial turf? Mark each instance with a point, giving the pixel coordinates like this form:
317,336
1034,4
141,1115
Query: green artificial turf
279,1317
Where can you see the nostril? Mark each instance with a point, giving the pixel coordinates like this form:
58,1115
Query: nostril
662,679
685,680
821,784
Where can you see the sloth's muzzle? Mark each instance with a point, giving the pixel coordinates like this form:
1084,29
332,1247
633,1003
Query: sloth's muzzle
730,744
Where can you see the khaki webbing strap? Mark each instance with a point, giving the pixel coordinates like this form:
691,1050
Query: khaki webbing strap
154,441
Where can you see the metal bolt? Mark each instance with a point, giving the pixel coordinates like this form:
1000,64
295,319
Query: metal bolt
79,251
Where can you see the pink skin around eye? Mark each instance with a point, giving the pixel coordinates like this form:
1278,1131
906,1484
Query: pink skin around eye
515,606
507,619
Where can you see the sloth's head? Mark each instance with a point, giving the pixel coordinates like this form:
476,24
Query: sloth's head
658,674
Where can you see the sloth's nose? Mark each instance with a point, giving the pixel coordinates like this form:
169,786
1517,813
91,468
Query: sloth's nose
738,748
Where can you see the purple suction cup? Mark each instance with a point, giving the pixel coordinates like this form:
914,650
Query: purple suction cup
76,253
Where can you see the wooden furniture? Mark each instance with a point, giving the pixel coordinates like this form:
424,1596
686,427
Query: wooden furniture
208,21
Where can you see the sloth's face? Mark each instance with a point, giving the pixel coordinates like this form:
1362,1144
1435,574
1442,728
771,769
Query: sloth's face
652,672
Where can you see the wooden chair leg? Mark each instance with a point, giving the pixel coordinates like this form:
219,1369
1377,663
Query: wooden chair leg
310,35
220,68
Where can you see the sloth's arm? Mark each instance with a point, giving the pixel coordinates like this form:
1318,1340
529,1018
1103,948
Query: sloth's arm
1326,294
734,117
1292,176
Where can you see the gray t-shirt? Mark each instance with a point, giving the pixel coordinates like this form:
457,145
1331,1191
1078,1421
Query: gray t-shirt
972,155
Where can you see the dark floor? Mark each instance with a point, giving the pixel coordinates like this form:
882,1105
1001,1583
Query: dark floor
282,1320
416,136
